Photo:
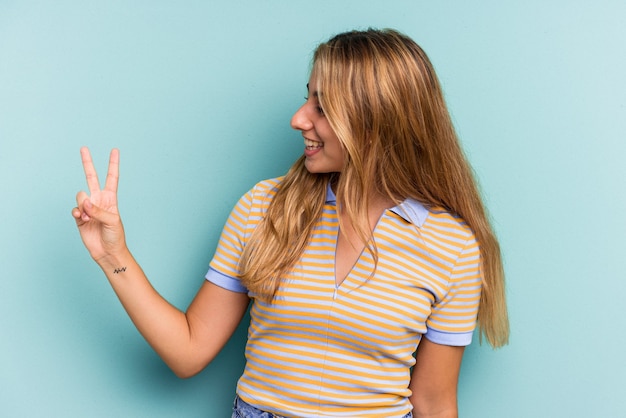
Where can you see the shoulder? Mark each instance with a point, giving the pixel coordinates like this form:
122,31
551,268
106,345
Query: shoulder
266,188
433,234
448,223
253,205
262,193
448,233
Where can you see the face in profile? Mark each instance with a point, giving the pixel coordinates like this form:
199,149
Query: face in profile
322,149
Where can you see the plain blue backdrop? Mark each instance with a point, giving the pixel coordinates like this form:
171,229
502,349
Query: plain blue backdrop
198,97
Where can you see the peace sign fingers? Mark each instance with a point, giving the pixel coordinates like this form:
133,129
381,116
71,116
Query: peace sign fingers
92,176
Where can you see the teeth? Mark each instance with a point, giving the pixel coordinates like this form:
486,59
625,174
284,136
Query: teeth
312,144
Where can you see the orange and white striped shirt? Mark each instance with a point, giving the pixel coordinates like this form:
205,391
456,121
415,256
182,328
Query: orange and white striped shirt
322,350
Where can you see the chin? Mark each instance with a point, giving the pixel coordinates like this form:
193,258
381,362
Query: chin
311,168
319,168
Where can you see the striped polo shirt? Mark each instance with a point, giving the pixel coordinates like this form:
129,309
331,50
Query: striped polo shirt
322,350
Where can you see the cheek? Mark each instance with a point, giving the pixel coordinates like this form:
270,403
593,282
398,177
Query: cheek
336,146
340,151
337,155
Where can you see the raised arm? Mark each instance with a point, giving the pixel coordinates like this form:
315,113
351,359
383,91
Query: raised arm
187,342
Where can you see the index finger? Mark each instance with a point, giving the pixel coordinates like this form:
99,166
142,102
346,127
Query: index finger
113,173
90,172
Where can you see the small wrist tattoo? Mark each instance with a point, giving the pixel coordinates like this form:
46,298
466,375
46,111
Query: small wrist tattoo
119,270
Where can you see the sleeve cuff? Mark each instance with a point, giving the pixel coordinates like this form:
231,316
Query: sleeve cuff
224,281
447,338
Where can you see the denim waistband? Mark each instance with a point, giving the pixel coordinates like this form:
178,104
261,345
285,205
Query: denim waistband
242,409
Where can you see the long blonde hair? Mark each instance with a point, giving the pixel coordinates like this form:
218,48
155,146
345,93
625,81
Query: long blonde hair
384,102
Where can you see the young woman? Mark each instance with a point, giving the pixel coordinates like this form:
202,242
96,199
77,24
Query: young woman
369,264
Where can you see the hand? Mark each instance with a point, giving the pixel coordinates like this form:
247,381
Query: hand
97,215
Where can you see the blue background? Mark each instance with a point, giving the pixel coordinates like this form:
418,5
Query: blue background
198,97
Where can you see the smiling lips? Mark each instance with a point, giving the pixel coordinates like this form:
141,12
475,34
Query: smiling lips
311,145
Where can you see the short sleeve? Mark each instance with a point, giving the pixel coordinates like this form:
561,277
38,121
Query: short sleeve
247,213
453,318
226,282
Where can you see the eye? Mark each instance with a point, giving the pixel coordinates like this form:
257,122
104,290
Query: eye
317,107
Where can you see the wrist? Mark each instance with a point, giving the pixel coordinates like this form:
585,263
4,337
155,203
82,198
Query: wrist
116,263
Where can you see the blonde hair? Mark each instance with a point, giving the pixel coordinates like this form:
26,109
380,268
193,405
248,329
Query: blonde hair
384,102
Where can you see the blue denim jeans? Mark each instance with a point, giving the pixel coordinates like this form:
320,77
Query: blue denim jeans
242,409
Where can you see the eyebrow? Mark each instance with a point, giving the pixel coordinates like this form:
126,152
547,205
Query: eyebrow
315,94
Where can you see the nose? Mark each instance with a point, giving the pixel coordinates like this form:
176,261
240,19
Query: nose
300,120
